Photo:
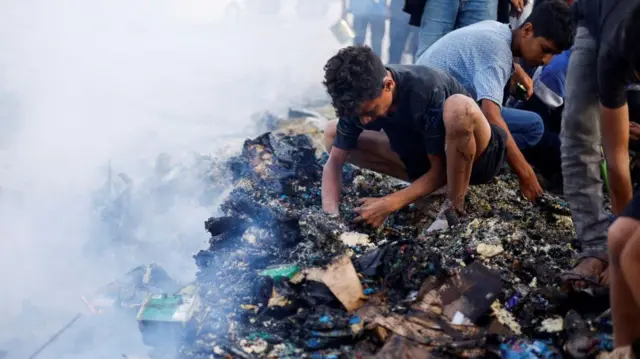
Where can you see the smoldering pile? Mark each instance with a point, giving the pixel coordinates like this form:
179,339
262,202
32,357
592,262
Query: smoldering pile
282,279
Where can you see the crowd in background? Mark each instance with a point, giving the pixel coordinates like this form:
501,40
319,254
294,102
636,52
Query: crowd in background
414,25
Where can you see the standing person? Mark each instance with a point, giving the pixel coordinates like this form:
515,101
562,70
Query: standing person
443,16
372,15
480,57
412,122
401,34
616,30
604,61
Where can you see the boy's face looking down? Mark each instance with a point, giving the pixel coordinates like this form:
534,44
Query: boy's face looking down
535,50
379,106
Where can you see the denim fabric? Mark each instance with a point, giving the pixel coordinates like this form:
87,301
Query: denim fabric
367,7
401,34
580,138
375,24
526,127
443,16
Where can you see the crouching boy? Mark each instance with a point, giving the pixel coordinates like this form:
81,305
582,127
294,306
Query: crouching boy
411,122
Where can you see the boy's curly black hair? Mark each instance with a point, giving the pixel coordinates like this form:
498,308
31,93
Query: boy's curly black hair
354,75
555,21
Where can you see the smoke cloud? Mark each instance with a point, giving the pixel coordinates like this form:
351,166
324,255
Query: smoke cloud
87,83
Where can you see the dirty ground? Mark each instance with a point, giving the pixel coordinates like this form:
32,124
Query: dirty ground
282,279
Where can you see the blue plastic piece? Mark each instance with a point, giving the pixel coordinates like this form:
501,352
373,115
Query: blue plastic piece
369,291
527,350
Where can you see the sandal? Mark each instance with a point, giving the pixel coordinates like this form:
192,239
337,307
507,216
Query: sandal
592,280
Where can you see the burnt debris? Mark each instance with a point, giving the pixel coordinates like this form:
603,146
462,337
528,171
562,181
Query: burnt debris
282,279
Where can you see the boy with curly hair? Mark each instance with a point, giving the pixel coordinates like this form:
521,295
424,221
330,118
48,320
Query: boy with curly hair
411,122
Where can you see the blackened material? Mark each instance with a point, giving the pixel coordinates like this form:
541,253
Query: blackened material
633,209
415,8
370,263
504,7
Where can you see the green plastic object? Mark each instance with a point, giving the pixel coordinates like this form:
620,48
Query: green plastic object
287,270
603,171
605,176
174,308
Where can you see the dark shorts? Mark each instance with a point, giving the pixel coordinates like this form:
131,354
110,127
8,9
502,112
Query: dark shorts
633,208
484,169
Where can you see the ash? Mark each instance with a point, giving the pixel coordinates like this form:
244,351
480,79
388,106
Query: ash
273,217
282,279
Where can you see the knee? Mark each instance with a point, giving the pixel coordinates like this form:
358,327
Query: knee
618,236
459,115
330,133
629,258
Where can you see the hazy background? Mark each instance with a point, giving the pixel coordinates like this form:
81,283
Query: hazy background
85,82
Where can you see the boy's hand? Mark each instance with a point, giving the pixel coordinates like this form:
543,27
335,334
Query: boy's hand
373,211
521,76
529,185
517,6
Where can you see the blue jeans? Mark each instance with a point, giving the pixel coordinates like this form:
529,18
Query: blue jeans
443,16
377,26
526,127
401,34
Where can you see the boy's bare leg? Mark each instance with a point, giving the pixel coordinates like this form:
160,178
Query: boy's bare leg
624,266
373,152
467,137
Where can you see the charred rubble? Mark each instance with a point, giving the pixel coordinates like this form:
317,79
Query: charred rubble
282,279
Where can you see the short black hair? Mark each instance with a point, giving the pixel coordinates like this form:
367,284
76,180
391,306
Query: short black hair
631,33
354,75
553,20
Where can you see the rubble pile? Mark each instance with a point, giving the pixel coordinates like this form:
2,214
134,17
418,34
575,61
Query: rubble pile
282,279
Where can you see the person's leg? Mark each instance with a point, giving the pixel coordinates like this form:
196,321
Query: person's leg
526,127
624,255
398,35
378,26
580,149
472,11
360,24
412,45
373,152
438,19
467,137
504,6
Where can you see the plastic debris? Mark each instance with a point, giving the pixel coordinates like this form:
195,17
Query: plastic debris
353,239
288,271
280,278
528,350
489,250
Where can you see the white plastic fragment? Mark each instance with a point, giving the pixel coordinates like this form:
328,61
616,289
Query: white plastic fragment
489,250
353,239
552,325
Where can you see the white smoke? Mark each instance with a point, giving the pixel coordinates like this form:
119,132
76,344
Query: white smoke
88,82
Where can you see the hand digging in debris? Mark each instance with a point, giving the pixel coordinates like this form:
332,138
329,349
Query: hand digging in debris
414,123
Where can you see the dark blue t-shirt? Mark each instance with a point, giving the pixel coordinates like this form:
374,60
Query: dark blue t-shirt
416,127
